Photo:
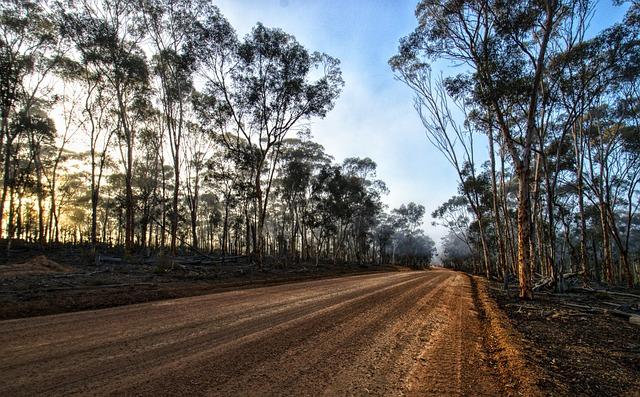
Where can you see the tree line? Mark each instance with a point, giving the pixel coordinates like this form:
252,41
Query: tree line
150,126
558,108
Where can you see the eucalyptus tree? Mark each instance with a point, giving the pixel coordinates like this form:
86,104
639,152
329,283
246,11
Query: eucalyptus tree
148,176
30,155
301,160
86,108
107,36
415,250
613,176
70,102
264,86
454,140
40,130
343,209
100,133
28,43
505,47
198,149
320,214
230,174
383,234
172,28
361,174
409,242
456,252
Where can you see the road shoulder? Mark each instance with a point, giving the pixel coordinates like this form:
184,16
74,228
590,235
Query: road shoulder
505,343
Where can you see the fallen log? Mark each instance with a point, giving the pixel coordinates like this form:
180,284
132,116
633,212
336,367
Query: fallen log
612,304
632,318
107,259
67,275
188,260
543,284
625,294
85,287
590,309
604,291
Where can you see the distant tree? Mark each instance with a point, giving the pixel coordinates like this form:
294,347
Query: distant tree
409,216
301,160
408,241
456,252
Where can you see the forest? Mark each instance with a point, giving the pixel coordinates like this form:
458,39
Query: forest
150,128
556,192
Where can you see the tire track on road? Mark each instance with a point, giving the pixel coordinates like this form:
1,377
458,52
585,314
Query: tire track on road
410,333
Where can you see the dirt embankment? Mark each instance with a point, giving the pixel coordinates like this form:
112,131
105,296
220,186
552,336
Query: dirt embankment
505,344
38,265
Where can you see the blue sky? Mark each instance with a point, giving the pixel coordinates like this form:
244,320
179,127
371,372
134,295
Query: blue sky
374,117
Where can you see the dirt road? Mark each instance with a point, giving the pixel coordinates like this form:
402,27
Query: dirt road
409,333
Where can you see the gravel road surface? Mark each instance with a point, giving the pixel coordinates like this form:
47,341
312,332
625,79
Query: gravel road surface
402,333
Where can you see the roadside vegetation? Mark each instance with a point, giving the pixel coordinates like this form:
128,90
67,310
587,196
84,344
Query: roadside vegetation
557,107
150,128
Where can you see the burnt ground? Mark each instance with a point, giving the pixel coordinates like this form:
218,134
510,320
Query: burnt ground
576,342
67,279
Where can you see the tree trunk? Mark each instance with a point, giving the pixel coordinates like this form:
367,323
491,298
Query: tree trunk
606,243
485,249
174,205
94,217
225,227
6,178
10,225
258,239
129,212
524,232
496,212
194,212
584,264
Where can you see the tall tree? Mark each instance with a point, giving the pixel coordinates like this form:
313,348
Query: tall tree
171,26
107,35
264,87
28,38
506,47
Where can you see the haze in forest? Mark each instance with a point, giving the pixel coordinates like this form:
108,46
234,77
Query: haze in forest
312,131
374,116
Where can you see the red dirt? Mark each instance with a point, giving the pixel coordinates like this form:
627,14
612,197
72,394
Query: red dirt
412,333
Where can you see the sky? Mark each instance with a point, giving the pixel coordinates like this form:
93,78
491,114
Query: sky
374,116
